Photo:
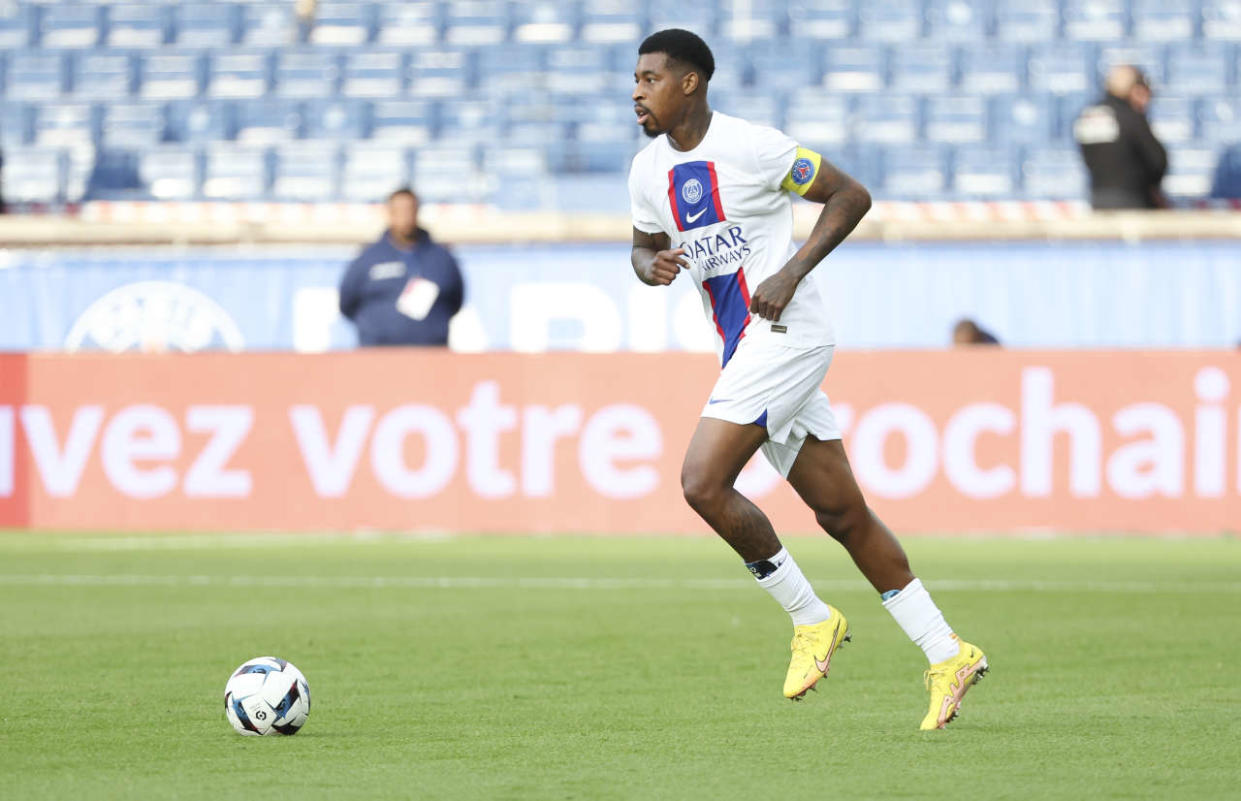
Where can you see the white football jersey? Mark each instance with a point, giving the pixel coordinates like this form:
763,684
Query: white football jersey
724,204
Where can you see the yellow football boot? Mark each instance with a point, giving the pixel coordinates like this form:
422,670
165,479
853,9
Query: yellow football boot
948,682
813,646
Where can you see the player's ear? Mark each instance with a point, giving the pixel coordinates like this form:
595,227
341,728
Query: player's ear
689,82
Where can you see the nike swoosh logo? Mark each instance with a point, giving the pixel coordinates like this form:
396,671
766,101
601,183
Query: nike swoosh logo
718,400
694,217
822,664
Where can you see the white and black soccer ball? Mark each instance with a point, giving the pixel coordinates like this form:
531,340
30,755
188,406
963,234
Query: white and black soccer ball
267,696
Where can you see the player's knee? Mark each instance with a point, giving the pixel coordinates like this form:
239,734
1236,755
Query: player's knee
699,490
842,522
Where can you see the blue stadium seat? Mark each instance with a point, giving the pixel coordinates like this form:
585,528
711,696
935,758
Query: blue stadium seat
786,65
130,126
309,73
1165,20
1022,119
372,170
267,121
476,22
1054,174
762,20
1095,20
268,24
16,124
170,172
377,73
889,21
1173,119
206,25
915,173
984,173
1219,119
34,175
306,171
1148,56
544,22
511,68
102,75
818,119
1027,21
449,173
699,17
755,105
439,73
1200,68
137,25
991,69
959,20
238,75
1226,180
69,25
64,125
336,119
1063,68
199,122
579,70
411,122
235,172
822,19
1221,19
854,69
610,21
170,76
342,23
1191,172
956,119
17,26
408,23
35,75
887,119
921,68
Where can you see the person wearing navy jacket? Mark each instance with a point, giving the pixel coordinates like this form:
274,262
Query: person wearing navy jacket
404,288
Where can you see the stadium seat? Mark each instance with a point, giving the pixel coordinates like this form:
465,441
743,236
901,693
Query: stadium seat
137,25
822,19
102,75
788,66
983,173
267,121
35,75
1219,119
958,20
69,25
170,76
887,119
756,20
450,173
1054,174
16,124
17,25
411,122
1221,19
511,69
1148,56
917,173
235,172
336,119
543,22
1226,180
306,171
309,73
238,75
699,17
34,175
372,170
991,69
610,21
338,23
476,22
1164,20
956,119
1095,20
1022,119
64,125
268,24
921,69
1027,21
205,25
373,74
439,73
169,173
1063,68
408,23
1173,119
130,126
579,70
1200,68
889,21
1190,174
763,108
854,69
818,119
199,122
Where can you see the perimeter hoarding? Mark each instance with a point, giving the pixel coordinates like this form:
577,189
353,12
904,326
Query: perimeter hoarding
980,440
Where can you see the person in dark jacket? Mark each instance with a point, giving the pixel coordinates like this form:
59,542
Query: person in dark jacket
1126,162
404,288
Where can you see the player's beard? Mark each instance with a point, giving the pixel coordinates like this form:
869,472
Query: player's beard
650,128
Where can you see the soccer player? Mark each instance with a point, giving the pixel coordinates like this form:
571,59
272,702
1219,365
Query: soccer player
710,197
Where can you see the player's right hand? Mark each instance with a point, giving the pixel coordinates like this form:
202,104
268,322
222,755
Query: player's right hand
665,266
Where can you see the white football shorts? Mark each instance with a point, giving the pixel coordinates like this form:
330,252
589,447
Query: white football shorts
779,388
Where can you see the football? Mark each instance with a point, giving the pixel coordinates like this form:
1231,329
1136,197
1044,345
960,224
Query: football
267,696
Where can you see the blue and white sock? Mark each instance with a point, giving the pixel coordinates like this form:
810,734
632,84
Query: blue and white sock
921,619
781,577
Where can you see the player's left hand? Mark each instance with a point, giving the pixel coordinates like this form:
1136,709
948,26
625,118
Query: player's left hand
769,300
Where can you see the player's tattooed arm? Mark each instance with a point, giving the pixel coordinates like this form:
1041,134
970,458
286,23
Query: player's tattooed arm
845,203
653,260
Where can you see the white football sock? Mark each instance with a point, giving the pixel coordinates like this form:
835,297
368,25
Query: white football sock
921,619
790,588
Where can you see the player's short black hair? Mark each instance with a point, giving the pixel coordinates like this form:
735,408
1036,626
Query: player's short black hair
683,46
404,190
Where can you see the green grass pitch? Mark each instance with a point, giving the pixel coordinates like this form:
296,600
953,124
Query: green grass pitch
609,668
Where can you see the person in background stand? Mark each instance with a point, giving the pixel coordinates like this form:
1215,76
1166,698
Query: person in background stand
1126,162
405,288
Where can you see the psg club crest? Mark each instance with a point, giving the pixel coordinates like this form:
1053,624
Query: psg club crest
803,171
694,194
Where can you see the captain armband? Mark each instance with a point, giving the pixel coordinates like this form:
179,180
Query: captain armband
803,172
